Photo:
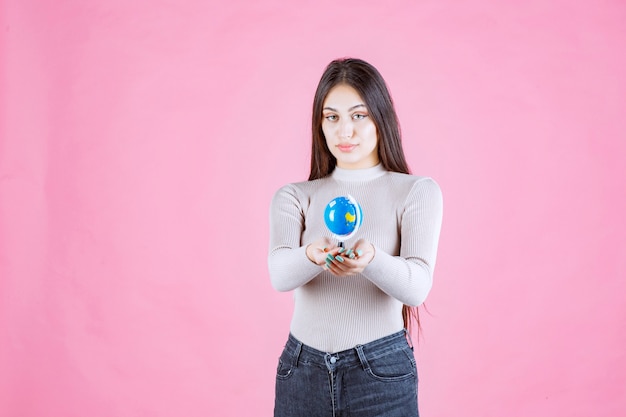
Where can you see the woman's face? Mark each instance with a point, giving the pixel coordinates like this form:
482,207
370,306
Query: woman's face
349,131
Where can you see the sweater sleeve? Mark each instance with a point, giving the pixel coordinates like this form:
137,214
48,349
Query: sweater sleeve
289,267
409,277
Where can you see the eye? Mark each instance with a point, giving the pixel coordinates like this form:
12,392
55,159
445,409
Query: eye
331,117
359,116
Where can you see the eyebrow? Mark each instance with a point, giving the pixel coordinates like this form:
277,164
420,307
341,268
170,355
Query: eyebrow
350,109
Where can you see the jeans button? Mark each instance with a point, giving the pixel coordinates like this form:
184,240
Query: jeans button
333,359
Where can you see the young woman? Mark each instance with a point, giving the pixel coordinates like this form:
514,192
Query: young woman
348,353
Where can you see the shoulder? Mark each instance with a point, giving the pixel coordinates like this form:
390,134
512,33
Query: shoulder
298,191
414,182
415,190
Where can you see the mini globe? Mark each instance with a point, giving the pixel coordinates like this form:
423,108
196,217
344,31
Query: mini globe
343,217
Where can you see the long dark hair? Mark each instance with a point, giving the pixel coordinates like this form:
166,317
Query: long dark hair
371,86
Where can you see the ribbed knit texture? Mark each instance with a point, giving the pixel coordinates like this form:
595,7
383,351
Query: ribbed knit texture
401,217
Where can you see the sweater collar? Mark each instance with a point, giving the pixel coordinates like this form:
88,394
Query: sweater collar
365,174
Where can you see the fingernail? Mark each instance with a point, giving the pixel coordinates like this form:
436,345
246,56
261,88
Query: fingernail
341,250
351,256
339,258
328,263
330,257
348,252
359,252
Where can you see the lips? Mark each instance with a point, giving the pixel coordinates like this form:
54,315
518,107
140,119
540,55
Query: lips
346,148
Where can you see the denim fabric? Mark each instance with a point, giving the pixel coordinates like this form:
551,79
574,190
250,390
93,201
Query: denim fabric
375,379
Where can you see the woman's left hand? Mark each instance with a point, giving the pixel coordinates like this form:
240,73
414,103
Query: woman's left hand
351,261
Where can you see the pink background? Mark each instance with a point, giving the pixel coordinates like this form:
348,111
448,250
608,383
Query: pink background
141,142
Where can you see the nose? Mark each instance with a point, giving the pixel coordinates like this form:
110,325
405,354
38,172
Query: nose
346,130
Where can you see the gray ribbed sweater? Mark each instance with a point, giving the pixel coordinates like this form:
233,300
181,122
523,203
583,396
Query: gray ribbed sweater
401,218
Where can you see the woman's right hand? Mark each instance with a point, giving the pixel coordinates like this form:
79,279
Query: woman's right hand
319,250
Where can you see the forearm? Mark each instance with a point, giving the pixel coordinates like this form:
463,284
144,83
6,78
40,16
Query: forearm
290,268
408,281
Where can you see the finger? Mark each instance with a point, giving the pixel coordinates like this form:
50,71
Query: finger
335,266
330,261
344,266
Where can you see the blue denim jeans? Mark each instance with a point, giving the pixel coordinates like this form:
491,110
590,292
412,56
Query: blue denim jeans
375,379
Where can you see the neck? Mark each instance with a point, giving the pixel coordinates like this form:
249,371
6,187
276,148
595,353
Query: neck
364,174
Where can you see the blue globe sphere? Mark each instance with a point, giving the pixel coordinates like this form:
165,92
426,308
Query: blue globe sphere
343,217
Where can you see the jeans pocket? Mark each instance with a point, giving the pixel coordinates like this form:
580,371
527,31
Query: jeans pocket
397,365
285,366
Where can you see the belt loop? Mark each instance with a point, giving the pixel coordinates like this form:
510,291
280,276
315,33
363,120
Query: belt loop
408,337
296,354
362,358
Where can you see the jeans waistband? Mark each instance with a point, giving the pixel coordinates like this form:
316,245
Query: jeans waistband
358,355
